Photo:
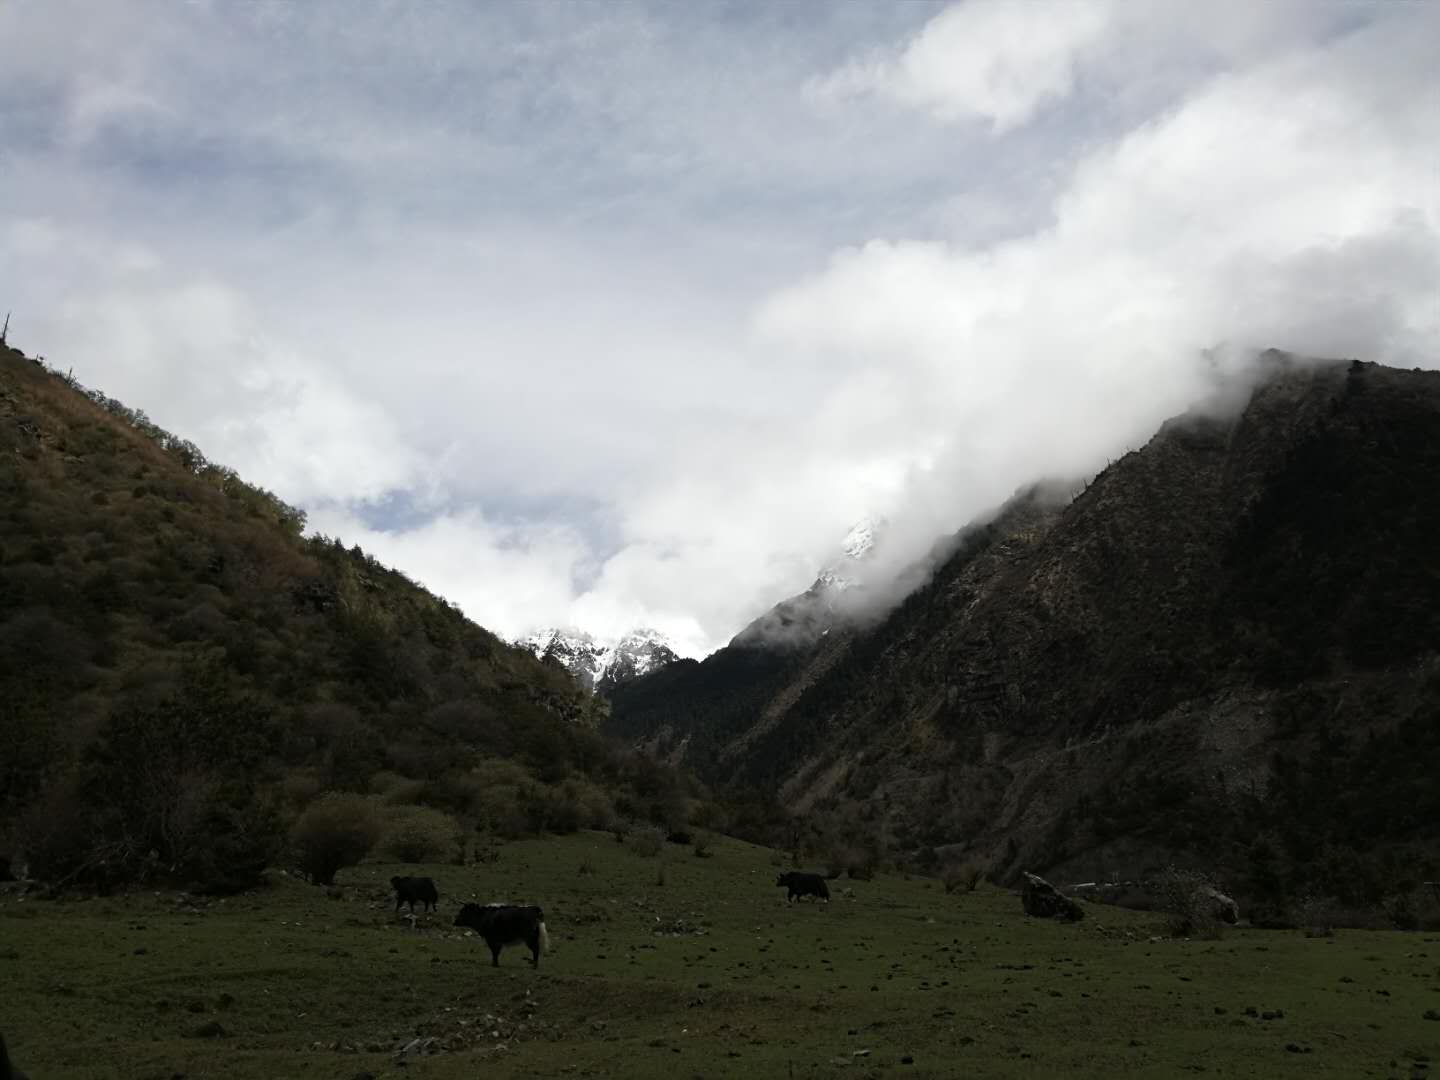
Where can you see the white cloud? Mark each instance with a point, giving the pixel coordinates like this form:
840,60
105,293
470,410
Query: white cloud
501,577
190,353
636,343
995,60
1292,204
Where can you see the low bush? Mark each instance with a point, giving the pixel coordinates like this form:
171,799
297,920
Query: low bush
337,830
646,840
417,834
961,876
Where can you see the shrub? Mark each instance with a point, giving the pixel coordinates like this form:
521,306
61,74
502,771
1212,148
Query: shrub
58,834
298,789
564,812
336,831
854,862
417,834
961,876
702,845
647,841
404,792
168,790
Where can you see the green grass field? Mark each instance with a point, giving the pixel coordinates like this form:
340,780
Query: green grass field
710,974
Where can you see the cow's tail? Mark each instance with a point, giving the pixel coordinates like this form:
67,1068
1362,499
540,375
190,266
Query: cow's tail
544,939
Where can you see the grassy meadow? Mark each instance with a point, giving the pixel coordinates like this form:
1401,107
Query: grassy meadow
681,967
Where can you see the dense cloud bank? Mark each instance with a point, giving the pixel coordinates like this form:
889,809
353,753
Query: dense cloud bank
578,343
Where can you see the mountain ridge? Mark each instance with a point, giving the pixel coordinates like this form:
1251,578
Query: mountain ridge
1102,684
182,670
601,664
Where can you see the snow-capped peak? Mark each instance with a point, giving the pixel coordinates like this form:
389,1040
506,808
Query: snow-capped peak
859,542
861,537
601,664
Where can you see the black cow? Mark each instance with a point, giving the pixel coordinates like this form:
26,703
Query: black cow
410,889
801,884
506,924
7,1070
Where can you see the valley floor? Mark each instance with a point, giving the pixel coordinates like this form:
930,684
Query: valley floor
710,974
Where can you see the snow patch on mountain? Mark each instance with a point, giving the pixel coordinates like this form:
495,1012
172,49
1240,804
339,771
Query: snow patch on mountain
836,597
862,536
601,664
857,548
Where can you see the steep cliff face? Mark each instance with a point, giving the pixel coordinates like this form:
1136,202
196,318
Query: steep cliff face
1231,634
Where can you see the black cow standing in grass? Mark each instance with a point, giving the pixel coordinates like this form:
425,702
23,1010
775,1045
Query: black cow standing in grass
410,889
506,924
801,884
7,1070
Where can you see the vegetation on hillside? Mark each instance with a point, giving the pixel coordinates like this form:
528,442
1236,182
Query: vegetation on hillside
182,670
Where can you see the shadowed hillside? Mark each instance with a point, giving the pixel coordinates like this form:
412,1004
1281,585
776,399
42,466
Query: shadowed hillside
166,630
1224,650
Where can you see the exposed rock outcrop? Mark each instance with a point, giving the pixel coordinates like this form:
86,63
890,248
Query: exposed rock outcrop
1044,901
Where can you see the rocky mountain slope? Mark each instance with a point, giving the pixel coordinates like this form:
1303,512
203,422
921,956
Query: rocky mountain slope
1224,651
601,665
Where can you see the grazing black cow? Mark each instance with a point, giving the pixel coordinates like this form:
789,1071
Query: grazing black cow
410,889
801,884
7,1070
506,924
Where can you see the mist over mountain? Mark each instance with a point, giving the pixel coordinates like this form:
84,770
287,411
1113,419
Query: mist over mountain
1223,649
579,343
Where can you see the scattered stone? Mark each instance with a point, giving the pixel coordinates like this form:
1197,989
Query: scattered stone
419,1046
907,1060
1043,901
1431,1014
1296,1048
1224,908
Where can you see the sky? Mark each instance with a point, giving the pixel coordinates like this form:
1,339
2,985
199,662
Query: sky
617,315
